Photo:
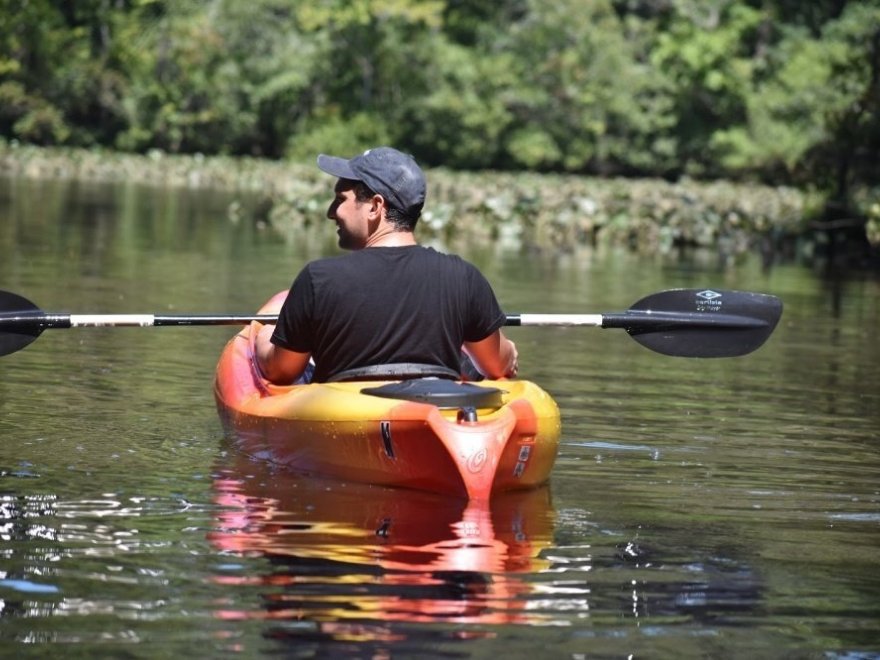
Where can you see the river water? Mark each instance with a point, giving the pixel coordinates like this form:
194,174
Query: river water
698,508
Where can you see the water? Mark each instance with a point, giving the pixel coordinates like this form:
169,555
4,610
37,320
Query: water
699,508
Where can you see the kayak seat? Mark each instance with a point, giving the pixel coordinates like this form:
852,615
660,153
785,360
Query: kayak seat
440,393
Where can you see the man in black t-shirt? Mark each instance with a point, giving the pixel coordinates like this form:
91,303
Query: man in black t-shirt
391,307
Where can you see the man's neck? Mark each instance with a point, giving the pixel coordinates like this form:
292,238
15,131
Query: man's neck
392,239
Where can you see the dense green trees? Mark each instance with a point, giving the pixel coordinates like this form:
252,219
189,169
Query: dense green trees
780,91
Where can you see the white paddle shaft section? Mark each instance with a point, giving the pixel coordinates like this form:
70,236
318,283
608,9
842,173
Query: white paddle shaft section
149,320
99,320
594,320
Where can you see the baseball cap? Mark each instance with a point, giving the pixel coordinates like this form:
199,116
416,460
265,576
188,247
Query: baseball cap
394,175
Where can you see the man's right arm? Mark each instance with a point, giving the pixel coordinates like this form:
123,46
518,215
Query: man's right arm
279,365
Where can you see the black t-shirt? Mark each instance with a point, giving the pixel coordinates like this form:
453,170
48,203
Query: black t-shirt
386,305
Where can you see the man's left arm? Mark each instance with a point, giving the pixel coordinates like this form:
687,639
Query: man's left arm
495,356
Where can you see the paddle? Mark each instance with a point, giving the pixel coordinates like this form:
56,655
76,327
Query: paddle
685,322
681,322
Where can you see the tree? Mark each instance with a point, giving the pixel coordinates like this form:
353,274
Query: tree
33,37
585,98
372,57
709,52
814,117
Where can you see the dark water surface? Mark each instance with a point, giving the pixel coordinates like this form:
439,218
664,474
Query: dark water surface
699,508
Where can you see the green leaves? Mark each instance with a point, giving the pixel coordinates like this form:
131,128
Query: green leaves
779,90
816,108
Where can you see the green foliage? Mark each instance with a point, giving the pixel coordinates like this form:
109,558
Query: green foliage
342,14
816,119
786,112
708,53
32,37
872,229
461,116
582,98
338,136
778,90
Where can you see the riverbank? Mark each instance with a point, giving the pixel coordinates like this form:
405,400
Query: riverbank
534,211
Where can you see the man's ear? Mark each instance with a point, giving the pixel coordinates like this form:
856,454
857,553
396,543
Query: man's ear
377,203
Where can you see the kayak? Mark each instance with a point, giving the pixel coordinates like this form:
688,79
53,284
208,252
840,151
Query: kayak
467,439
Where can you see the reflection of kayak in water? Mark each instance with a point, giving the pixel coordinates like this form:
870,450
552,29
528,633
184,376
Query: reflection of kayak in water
342,551
465,439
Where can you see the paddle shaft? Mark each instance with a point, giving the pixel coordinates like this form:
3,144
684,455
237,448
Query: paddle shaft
628,320
680,322
64,321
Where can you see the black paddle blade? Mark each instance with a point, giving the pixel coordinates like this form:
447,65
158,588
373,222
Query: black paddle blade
19,322
700,322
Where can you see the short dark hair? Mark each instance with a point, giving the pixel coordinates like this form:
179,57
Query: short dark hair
401,220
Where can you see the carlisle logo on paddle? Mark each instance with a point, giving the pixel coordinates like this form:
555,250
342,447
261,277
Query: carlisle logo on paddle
708,301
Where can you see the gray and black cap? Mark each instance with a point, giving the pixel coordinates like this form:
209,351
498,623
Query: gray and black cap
394,175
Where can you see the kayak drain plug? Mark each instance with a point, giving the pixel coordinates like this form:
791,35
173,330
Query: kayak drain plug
467,414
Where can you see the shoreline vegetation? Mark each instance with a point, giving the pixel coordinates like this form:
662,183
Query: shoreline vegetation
545,212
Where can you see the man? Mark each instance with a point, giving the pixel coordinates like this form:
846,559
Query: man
391,308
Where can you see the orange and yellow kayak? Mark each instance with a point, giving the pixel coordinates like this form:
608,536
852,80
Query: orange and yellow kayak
464,439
